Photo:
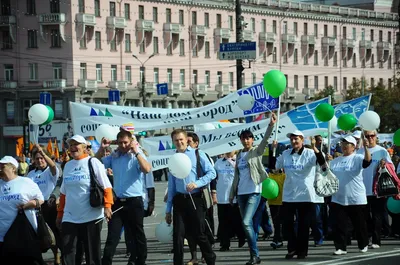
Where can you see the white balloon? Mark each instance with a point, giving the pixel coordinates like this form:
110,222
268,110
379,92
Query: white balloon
180,165
204,127
38,114
164,232
369,120
333,123
105,131
245,102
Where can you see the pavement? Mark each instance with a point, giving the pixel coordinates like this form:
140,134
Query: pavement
159,253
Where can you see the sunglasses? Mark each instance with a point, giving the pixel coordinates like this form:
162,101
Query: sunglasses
89,147
370,136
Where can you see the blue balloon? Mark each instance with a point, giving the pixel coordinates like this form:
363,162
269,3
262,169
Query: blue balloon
393,205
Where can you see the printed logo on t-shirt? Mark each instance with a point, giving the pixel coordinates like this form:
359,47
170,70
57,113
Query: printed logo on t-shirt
6,189
78,168
76,178
10,197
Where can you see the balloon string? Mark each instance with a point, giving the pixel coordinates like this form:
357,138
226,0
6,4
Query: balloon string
190,195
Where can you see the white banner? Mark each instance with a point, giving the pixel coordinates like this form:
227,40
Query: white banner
87,117
50,131
219,141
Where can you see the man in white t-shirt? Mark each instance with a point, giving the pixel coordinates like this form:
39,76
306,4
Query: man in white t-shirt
376,206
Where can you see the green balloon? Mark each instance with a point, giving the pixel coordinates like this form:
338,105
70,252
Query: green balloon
324,112
347,122
396,137
270,189
50,117
274,83
393,205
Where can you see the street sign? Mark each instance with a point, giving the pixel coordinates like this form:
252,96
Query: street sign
45,98
113,95
237,50
162,89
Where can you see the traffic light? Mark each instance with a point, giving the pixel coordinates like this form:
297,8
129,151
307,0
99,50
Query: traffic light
142,133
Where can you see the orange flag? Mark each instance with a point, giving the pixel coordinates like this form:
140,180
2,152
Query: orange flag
56,151
19,147
50,148
30,146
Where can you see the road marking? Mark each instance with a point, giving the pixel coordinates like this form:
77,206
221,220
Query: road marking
365,259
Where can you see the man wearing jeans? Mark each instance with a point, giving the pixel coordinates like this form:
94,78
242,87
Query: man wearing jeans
249,173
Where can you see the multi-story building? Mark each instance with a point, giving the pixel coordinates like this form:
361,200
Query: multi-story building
376,5
78,50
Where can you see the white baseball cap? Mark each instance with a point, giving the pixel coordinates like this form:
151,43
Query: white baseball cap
295,133
350,139
77,138
357,134
9,160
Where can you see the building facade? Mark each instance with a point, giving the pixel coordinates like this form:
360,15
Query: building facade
80,49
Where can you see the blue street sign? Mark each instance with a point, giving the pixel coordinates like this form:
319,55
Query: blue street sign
113,95
45,98
237,50
162,89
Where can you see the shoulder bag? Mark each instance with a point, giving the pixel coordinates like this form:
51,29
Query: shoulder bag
326,184
45,234
96,191
206,189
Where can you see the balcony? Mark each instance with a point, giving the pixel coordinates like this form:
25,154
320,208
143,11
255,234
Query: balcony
328,47
384,49
309,92
114,23
266,42
198,35
288,42
144,31
52,19
149,87
175,89
10,22
307,45
87,85
85,23
8,84
248,35
223,89
347,47
172,33
365,50
221,35
200,89
55,83
87,19
289,38
119,85
290,93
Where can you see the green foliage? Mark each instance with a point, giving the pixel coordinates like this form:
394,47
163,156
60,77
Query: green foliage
326,92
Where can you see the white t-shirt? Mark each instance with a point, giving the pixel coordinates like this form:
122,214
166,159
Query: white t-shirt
148,183
378,153
45,180
246,183
76,188
300,175
348,169
13,193
225,172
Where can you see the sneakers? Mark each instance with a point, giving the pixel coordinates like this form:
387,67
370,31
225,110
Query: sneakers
276,245
364,250
375,246
339,252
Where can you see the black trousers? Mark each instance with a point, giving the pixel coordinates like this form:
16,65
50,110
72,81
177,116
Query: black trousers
50,216
298,241
277,221
131,217
375,212
356,213
230,224
90,234
189,220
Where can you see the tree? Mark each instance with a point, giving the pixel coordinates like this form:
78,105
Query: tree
326,92
355,89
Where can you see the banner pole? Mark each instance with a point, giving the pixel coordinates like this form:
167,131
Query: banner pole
277,125
329,130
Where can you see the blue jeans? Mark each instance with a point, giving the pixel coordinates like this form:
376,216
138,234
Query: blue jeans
248,204
261,218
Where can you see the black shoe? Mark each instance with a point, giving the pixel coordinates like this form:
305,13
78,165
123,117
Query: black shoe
290,255
241,243
222,249
301,256
254,261
276,245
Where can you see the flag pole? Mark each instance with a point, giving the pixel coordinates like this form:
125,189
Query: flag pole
277,126
329,129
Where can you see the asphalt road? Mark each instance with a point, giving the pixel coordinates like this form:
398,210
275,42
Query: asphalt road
159,253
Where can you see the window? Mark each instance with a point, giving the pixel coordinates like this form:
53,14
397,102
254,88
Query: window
219,21
155,45
326,81
372,82
219,77
169,75
380,35
390,62
33,71
263,25
142,48
83,71
325,30
390,37
295,28
354,34
207,77
169,50
315,57
32,38
57,70
82,42
194,76
372,35
231,78
285,27
112,9
98,40
253,24
274,56
305,29
181,47
141,12
254,78
182,77
381,82
243,80
335,31
156,75
55,6
207,20
274,26
344,83
316,31
316,82
354,60
207,49
113,72
335,59
7,41
128,44
181,17
285,58
81,6
344,33
305,60
113,44
127,11
372,61
55,38
306,81
128,74
335,83
389,83
344,62
31,7
99,72
155,14
362,34
326,61
195,52
295,56
97,8
296,81
230,22
194,18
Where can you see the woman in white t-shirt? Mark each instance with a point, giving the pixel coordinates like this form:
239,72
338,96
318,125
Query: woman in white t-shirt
77,216
45,175
351,198
17,193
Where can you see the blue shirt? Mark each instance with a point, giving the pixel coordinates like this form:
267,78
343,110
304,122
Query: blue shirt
176,185
128,179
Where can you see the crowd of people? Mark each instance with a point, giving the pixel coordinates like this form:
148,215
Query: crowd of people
63,191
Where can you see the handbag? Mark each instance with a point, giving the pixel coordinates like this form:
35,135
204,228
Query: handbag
96,191
326,184
206,189
45,234
385,186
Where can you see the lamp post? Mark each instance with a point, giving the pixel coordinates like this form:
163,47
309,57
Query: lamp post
143,77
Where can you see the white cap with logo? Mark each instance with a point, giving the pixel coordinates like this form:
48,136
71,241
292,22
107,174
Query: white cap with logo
295,133
9,160
350,139
77,138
